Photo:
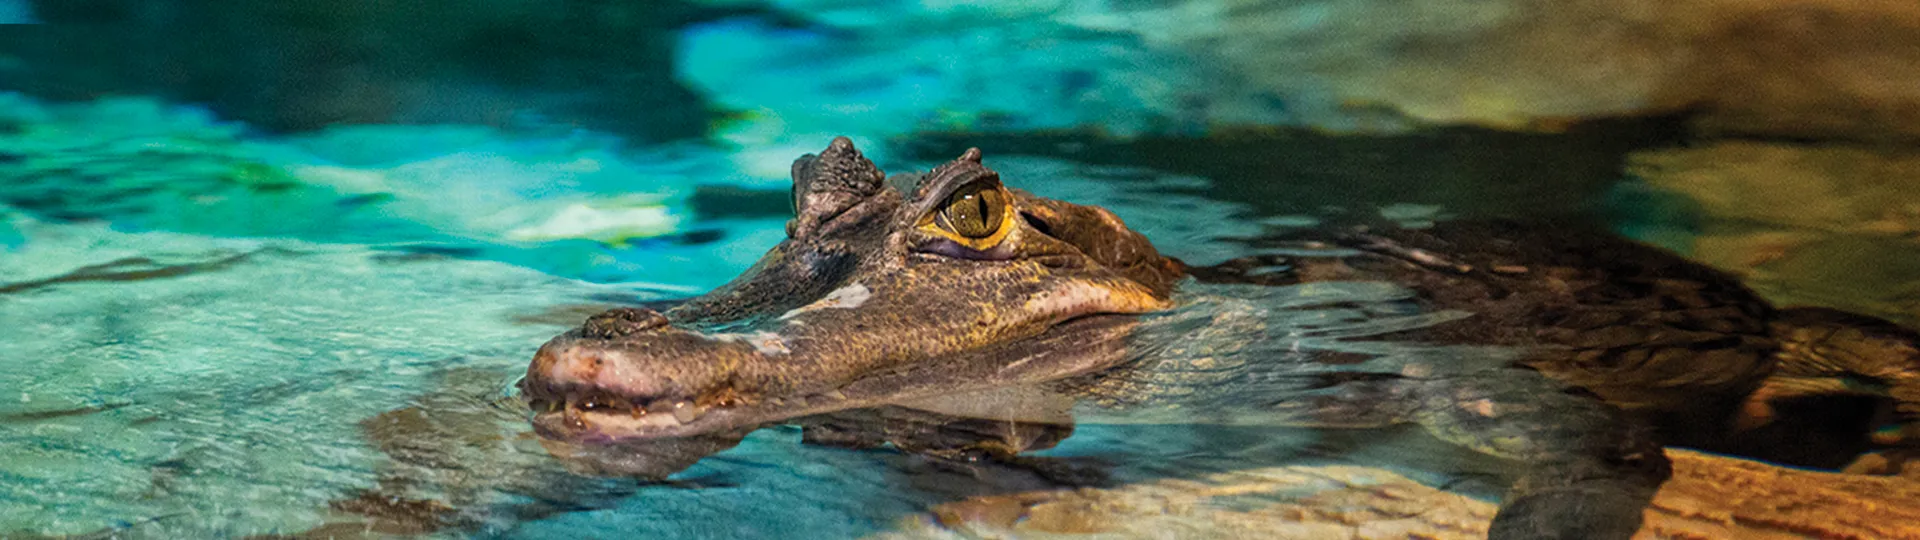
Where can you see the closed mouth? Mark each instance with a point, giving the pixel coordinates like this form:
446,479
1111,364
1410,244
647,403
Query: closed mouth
578,411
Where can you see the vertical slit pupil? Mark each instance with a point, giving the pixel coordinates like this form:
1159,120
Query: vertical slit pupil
973,212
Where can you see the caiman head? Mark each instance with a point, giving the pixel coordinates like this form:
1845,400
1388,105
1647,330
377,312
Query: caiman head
886,289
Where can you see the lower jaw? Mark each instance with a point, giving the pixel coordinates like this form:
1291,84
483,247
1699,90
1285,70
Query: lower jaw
617,425
606,428
597,428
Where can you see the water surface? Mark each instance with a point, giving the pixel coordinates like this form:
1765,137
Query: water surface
216,333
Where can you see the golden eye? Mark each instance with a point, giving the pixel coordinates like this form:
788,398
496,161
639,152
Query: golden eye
975,211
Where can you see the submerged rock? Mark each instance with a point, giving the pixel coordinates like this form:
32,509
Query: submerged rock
1709,497
193,386
1831,188
888,80
567,202
146,164
1828,225
1293,502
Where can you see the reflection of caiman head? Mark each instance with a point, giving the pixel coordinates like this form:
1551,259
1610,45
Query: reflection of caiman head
885,290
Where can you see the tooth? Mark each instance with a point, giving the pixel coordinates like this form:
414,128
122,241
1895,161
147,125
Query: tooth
685,412
777,402
835,395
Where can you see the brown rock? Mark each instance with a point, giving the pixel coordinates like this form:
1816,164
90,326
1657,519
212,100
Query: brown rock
1797,68
1824,225
1717,497
1709,497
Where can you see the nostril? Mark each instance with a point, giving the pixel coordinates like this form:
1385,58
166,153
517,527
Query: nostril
623,322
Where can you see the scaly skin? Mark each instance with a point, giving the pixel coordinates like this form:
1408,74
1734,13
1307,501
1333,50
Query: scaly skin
1680,346
922,287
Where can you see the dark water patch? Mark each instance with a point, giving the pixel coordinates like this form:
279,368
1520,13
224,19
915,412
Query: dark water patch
565,315
306,64
720,201
36,416
650,301
699,236
368,199
426,252
119,530
575,314
1469,172
134,269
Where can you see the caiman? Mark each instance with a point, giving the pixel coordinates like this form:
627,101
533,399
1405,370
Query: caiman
1576,354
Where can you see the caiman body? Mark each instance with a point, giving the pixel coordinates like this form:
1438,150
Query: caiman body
925,287
1678,346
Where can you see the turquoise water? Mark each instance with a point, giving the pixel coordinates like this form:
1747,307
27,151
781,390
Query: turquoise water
272,269
218,333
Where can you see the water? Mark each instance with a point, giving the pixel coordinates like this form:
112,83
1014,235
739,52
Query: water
173,375
310,362
214,329
338,359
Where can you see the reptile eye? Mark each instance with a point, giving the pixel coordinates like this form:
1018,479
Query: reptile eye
975,211
974,222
